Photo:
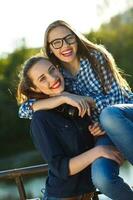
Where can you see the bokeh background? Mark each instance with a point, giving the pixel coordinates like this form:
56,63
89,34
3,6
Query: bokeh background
22,24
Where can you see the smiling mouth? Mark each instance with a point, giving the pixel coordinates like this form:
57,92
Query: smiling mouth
56,84
67,53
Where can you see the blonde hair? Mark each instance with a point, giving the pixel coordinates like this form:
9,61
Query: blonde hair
85,50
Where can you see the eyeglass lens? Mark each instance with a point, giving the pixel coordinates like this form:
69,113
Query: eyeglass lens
58,43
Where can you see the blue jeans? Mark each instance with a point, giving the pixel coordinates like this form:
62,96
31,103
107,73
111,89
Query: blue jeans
117,121
105,176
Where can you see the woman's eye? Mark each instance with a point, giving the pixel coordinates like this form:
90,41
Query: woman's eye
56,42
52,69
42,79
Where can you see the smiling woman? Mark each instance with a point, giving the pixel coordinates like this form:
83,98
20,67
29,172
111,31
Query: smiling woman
46,79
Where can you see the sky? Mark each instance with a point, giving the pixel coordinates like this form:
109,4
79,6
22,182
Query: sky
29,18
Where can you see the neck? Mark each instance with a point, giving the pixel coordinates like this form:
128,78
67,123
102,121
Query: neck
73,67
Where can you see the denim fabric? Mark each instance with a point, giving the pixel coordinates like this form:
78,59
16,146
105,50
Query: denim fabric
118,124
59,138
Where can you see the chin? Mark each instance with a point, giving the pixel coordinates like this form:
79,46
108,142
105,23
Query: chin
60,91
67,60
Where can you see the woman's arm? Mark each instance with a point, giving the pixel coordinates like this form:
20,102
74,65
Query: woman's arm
83,160
82,103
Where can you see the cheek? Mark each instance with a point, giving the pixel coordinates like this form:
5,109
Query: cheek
42,87
63,83
56,52
75,47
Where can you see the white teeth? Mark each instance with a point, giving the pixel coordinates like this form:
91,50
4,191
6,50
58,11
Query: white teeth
56,85
66,52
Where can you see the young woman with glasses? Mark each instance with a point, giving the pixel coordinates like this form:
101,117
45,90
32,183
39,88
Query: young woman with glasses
89,70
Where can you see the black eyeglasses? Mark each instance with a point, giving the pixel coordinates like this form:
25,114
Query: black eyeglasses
58,43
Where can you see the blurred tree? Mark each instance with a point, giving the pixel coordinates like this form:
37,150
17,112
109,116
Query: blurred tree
117,37
13,130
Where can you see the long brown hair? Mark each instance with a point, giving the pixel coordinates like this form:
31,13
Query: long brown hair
85,50
24,91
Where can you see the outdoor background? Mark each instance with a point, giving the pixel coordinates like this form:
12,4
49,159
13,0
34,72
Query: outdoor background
23,23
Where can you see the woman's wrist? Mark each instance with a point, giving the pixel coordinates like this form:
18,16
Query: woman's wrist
64,98
97,152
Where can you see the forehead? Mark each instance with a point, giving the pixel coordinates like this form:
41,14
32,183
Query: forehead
41,66
58,32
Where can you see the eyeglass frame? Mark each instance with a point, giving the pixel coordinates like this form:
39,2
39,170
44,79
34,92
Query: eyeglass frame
63,39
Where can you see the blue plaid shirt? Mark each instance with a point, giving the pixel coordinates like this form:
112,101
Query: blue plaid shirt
86,83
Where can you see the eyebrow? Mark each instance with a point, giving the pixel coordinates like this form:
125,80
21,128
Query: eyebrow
44,74
50,67
40,76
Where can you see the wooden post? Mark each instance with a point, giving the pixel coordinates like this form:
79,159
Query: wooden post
19,182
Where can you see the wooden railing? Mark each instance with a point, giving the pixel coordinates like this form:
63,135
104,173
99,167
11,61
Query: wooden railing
18,174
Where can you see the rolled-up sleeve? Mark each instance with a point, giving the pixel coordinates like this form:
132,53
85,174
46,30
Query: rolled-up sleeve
25,110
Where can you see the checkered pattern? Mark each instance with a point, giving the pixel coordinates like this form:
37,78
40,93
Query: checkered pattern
25,110
86,83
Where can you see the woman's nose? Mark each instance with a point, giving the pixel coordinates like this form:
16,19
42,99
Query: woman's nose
65,43
51,79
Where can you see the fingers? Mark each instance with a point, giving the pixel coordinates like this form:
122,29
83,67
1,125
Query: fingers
89,112
118,157
83,107
98,133
96,130
114,154
78,106
79,102
88,108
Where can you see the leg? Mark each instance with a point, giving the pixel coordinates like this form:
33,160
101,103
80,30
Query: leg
117,121
105,176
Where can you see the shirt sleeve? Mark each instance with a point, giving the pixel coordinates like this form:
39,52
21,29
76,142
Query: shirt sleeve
25,110
46,141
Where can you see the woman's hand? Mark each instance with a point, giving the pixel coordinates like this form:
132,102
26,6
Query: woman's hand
82,103
110,152
96,130
83,160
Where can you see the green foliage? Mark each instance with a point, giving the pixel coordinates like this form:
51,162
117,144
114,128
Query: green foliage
117,37
13,130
